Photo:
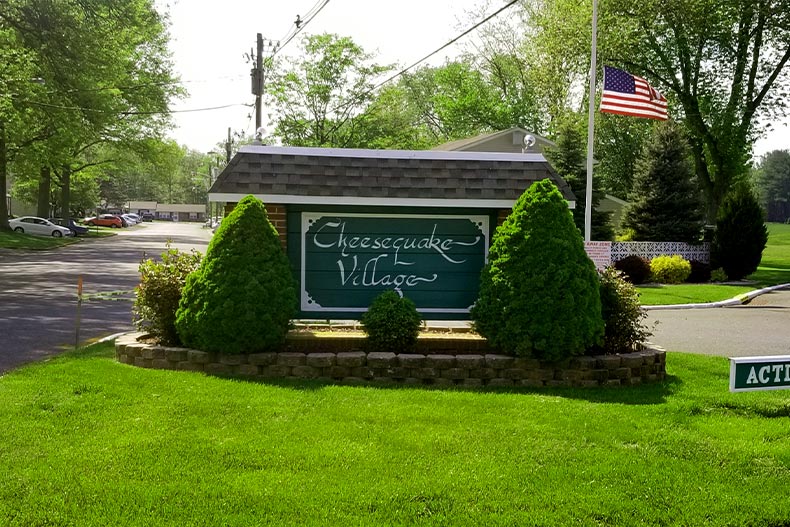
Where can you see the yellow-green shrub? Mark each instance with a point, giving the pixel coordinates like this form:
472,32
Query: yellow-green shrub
670,269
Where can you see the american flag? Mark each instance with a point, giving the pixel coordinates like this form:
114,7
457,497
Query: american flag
627,94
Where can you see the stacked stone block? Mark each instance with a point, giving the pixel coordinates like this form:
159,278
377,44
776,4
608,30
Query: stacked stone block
442,369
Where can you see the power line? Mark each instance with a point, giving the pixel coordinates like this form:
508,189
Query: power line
449,43
426,57
302,23
133,112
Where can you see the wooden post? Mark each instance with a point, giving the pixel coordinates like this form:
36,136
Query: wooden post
79,313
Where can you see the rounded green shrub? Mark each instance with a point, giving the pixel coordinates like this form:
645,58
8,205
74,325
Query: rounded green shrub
718,275
623,315
670,269
539,291
741,235
242,297
159,292
391,323
635,269
700,272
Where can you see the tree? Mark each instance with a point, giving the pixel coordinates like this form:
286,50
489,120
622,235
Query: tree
617,137
665,201
539,292
741,235
772,179
461,99
569,160
107,78
319,98
723,64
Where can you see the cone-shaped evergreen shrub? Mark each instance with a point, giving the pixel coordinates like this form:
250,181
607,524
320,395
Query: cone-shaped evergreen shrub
242,297
539,292
666,204
741,235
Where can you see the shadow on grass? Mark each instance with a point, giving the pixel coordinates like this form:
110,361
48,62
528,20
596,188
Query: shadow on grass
646,394
774,275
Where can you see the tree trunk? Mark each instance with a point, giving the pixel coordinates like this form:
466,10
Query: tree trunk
3,181
44,184
65,196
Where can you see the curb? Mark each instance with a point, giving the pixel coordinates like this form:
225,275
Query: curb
736,301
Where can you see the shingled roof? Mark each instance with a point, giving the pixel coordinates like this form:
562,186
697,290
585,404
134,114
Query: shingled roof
381,177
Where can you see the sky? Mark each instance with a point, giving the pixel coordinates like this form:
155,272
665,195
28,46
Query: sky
209,41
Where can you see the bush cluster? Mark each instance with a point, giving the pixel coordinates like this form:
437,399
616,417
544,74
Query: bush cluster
741,235
718,275
635,269
242,297
624,331
670,269
700,272
159,292
391,323
539,291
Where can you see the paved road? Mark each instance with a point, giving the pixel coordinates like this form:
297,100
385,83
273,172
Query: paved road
761,327
38,289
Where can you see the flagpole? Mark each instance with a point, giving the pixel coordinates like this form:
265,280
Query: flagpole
591,126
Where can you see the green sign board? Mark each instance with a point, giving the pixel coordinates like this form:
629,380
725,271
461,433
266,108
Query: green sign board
759,373
349,259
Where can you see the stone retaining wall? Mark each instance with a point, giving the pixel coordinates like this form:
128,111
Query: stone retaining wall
443,369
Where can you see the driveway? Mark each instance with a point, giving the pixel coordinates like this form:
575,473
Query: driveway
38,289
761,327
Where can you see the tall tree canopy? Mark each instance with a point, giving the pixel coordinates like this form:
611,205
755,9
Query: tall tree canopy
320,96
723,63
665,200
106,77
772,180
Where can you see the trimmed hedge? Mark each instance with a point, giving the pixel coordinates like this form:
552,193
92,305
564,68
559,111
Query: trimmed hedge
670,269
242,297
392,323
635,269
539,292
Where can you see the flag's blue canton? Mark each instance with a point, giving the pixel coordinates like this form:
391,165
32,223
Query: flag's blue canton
618,80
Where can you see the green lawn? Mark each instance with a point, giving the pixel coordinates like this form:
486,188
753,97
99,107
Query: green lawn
87,441
774,269
775,264
15,240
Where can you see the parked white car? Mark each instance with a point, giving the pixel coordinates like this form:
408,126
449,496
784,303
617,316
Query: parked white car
38,226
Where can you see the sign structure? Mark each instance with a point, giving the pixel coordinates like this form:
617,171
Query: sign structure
600,253
759,373
349,259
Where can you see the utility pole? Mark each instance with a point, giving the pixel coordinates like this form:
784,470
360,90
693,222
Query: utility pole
227,148
257,80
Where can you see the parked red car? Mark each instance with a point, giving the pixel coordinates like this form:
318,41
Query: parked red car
105,220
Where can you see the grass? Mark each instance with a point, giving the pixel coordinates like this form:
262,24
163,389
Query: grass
774,269
663,294
87,441
15,240
775,264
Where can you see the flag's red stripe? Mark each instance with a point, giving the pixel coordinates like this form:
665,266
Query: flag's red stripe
617,96
650,115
